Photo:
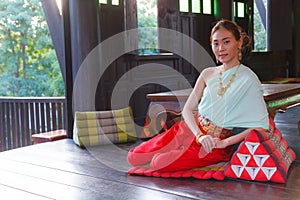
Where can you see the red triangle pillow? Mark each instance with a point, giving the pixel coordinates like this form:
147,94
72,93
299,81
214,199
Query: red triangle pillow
262,156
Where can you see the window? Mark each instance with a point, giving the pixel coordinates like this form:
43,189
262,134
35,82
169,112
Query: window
196,6
239,9
260,37
147,25
113,2
102,1
260,25
207,8
184,5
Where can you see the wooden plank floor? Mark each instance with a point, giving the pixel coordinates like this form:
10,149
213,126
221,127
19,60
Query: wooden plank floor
61,170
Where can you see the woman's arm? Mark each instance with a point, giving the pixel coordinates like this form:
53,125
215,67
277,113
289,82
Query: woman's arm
235,138
207,141
191,104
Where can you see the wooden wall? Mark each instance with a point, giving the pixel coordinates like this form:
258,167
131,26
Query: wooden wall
295,54
85,25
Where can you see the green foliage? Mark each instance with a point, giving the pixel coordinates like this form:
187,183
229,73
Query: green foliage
28,63
147,17
260,36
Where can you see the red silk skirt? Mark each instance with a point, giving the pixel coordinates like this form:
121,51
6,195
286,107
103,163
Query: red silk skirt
176,149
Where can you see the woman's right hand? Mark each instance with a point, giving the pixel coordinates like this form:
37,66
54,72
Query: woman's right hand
208,142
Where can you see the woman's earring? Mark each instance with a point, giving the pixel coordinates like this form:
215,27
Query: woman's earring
240,55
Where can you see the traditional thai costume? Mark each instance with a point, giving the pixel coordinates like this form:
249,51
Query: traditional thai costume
241,106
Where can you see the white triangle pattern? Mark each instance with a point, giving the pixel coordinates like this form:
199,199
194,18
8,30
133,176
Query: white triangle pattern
252,171
269,171
259,159
244,158
252,146
238,169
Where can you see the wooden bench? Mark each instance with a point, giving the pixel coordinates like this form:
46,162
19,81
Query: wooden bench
49,136
278,97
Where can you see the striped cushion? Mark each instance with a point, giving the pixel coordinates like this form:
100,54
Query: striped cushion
104,127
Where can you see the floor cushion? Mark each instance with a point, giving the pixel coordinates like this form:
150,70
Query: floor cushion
104,127
262,156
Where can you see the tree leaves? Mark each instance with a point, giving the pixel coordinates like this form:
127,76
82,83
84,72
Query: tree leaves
28,63
147,17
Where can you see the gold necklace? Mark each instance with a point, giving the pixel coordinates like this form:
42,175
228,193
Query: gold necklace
222,89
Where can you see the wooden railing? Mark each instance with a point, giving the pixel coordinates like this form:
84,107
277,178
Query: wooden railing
21,117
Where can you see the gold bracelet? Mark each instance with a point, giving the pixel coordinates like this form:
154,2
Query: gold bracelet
199,135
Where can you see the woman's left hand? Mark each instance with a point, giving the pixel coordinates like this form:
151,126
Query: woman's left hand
221,144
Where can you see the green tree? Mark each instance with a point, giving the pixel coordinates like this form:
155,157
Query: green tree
147,17
260,35
28,63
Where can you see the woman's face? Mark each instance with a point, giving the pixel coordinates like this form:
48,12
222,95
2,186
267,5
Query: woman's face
225,47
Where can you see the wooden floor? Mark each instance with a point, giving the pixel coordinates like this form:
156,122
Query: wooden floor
61,170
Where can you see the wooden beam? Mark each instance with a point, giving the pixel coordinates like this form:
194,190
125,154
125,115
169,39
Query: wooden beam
55,24
84,30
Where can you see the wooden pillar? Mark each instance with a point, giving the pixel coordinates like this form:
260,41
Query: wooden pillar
59,30
68,69
55,24
81,35
131,20
84,30
223,9
296,38
280,25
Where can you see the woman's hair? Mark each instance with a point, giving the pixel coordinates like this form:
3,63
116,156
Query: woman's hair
237,32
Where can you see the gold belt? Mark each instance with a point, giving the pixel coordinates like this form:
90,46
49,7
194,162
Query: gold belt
207,127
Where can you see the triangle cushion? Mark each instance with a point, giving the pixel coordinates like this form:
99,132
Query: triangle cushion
262,156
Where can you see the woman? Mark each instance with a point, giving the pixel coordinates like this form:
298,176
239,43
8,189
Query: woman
231,105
